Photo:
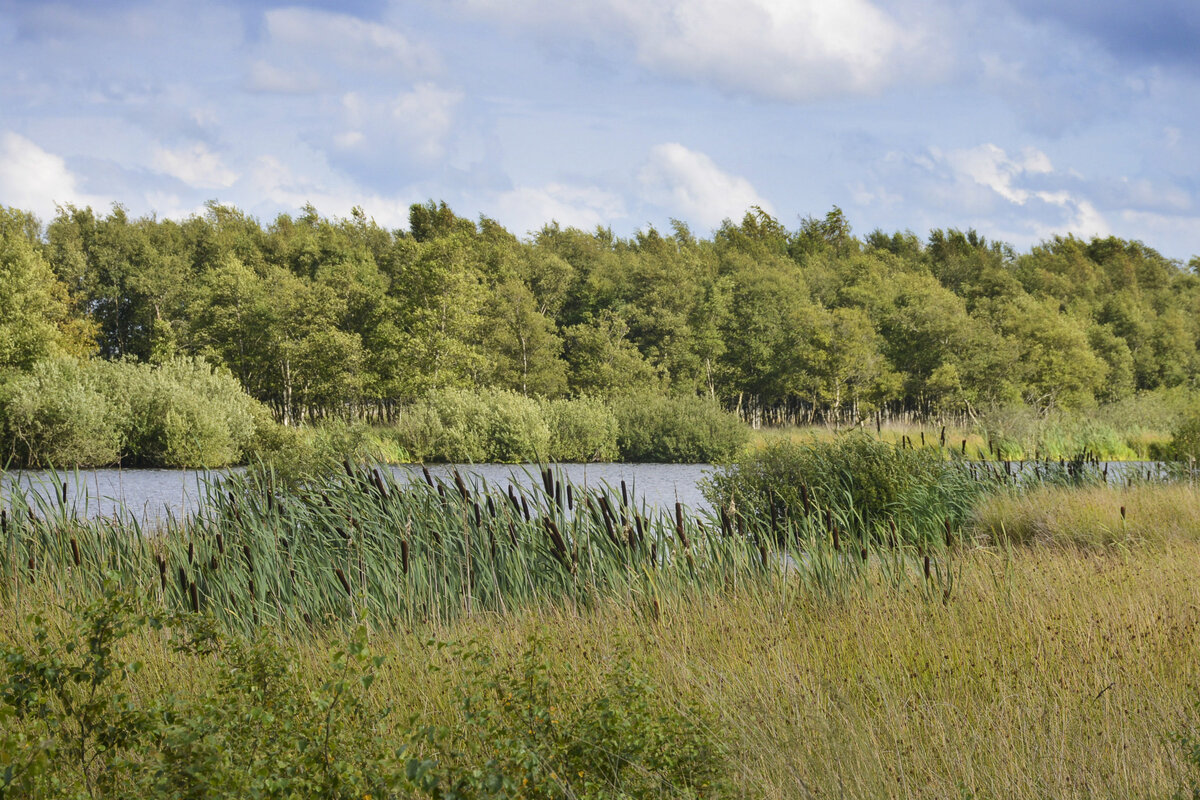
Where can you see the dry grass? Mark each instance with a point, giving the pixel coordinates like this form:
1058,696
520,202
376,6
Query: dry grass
1091,517
1051,671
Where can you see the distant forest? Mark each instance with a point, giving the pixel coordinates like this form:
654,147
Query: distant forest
320,317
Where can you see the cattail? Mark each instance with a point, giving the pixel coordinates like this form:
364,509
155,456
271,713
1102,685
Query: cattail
75,551
837,539
4,521
948,532
1122,513
624,494
213,564
570,499
679,524
462,487
805,499
928,573
491,507
32,566
863,553
895,540
64,493
478,515
922,438
942,442
162,571
341,576
560,544
250,587
404,555
191,552
249,560
194,594
525,508
964,447
428,477
220,544
183,581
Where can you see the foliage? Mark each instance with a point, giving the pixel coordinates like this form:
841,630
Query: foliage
1185,438
320,317
853,476
76,727
58,414
583,429
179,413
527,732
676,430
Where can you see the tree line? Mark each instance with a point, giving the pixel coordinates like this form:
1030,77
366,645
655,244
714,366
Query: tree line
323,317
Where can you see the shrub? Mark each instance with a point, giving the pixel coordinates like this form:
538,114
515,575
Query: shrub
853,475
684,430
581,430
57,415
1185,438
182,413
527,733
516,428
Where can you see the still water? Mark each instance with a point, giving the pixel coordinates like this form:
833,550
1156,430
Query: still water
154,494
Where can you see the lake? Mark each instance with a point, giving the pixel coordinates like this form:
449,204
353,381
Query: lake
153,494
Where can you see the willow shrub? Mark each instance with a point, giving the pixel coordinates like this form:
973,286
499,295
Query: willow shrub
583,429
856,477
57,415
680,430
182,413
1185,438
460,426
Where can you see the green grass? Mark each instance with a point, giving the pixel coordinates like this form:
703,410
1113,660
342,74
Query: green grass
1051,652
1050,673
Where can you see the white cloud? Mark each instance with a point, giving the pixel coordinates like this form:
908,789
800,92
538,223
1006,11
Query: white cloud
990,166
267,77
688,183
525,209
274,182
786,49
425,115
197,166
348,40
414,125
34,180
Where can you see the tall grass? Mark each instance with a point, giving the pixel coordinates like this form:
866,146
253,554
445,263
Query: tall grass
1050,673
366,545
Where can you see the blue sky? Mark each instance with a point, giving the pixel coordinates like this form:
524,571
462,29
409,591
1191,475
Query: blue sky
1020,118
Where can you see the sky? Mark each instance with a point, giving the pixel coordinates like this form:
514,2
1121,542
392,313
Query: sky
1022,119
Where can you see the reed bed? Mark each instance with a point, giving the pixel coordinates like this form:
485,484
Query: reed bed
367,546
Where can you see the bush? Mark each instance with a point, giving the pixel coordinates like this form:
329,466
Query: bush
516,428
77,722
855,476
260,732
677,430
57,416
1185,438
581,430
527,733
182,413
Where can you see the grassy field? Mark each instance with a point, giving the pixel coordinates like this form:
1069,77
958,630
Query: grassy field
1055,655
1050,673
